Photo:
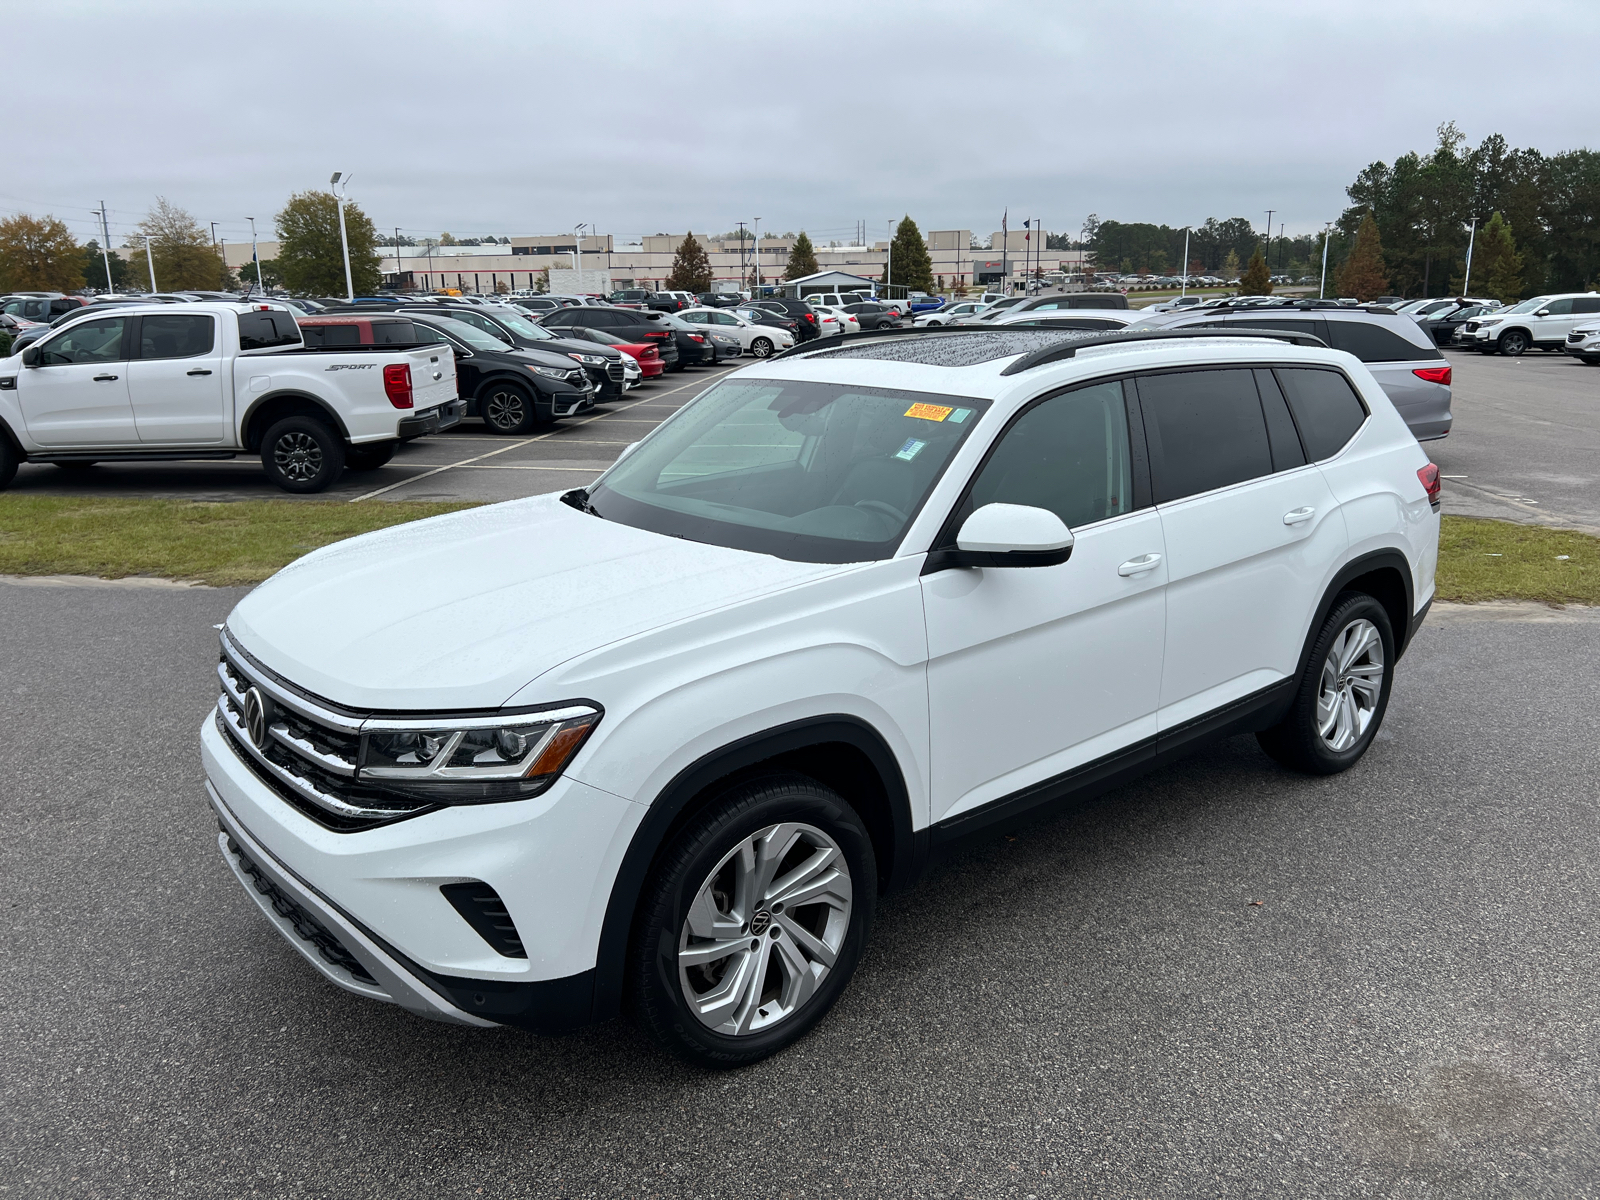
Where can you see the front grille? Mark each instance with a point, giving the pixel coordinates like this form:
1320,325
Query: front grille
308,753
481,907
1471,327
305,925
1576,337
614,372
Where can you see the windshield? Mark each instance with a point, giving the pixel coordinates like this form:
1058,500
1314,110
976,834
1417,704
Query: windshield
814,472
523,327
1528,306
463,332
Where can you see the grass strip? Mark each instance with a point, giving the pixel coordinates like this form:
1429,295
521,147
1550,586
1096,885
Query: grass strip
1497,560
217,543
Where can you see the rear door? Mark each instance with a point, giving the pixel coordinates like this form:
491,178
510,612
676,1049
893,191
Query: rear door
175,379
78,394
1249,528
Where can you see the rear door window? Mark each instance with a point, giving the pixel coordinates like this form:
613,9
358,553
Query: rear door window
1325,407
1372,343
265,330
1287,453
1205,431
1582,305
176,335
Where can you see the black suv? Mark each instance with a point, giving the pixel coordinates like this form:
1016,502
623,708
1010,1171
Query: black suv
805,319
690,345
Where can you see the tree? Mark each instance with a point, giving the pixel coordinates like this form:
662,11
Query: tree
183,253
691,267
1256,280
39,254
802,258
94,267
908,258
271,276
1363,275
1230,266
309,256
1497,262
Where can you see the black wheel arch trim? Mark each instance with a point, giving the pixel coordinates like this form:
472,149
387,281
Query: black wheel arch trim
897,867
251,436
1402,623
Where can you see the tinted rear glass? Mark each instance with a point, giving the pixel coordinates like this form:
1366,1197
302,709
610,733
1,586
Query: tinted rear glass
332,335
1325,407
1371,343
264,330
175,335
399,333
1205,431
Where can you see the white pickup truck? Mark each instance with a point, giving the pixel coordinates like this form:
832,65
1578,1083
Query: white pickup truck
216,380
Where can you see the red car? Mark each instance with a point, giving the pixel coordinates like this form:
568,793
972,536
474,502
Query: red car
648,353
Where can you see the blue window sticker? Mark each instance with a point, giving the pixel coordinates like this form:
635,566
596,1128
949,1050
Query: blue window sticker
911,449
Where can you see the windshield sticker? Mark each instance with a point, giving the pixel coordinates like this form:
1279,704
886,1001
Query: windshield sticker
911,449
960,415
928,412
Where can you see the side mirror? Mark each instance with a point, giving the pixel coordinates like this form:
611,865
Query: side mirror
1543,312
1011,535
30,355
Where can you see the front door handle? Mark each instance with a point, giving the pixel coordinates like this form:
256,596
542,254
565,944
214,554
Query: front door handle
1298,516
199,371
105,378
1138,566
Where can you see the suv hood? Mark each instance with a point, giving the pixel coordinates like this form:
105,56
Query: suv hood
462,611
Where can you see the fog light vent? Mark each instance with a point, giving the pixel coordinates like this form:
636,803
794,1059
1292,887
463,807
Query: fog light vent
481,907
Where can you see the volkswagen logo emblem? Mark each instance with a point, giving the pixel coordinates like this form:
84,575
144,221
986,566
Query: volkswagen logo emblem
255,717
759,922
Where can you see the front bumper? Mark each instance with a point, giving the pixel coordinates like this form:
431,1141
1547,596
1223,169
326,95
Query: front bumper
433,420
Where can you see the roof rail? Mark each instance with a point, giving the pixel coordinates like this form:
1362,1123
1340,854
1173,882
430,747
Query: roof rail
834,340
1070,349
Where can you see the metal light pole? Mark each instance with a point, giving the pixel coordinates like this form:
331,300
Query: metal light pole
1184,288
105,242
1322,287
397,259
224,242
888,262
1466,284
743,278
577,252
255,255
150,261
755,248
344,242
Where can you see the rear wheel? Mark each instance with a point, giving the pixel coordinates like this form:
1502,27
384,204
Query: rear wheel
761,347
1343,694
753,922
508,408
369,458
301,454
1512,343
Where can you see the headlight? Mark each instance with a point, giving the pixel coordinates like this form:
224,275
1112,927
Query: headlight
473,759
1489,321
596,360
553,372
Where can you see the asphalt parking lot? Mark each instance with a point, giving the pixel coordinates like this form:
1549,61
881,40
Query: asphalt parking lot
1224,980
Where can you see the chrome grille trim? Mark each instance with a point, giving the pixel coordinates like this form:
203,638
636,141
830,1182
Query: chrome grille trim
328,762
295,703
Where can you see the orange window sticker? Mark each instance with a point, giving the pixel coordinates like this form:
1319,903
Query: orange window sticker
929,412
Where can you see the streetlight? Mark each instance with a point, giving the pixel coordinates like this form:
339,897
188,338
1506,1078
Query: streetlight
105,241
755,242
150,261
255,257
1471,237
344,242
1184,289
1322,288
577,250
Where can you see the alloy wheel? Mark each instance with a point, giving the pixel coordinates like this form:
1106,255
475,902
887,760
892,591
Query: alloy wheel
765,929
505,409
761,347
298,456
1351,685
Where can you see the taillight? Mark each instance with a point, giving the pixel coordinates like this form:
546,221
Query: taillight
1433,374
397,384
1428,476
812,317
661,336
695,337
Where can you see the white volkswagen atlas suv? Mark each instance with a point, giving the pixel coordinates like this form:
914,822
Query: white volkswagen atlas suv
659,745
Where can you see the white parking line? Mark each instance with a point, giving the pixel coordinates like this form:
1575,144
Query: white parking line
528,441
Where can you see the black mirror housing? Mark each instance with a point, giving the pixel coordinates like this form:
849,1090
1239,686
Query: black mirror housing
30,356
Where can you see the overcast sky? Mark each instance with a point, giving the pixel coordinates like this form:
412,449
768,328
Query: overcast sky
520,118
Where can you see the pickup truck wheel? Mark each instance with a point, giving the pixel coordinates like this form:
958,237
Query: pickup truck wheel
508,409
368,458
761,347
301,454
752,922
1343,694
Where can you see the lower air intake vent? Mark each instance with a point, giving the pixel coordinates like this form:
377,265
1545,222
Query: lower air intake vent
481,907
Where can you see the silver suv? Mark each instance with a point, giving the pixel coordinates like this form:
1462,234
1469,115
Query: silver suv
1400,354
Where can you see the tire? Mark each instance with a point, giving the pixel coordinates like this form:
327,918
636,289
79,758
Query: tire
1355,645
693,899
761,347
369,458
507,408
8,463
301,454
1512,343
1590,360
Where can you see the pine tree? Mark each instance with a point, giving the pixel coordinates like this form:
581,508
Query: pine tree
691,267
802,259
1230,266
1256,280
1363,274
1497,262
909,264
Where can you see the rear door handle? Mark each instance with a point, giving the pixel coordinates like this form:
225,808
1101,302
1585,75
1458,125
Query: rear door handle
199,371
1298,516
1138,566
104,378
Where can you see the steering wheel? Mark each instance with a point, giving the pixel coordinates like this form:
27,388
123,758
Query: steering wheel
880,506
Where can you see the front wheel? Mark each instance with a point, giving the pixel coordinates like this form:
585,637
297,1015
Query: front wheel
1343,694
1512,343
301,454
508,408
761,347
753,922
